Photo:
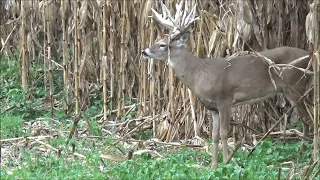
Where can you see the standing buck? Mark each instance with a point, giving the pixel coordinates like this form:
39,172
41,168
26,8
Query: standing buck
222,83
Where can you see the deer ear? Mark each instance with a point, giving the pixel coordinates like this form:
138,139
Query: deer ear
184,38
181,40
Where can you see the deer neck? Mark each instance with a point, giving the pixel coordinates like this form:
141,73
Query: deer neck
185,65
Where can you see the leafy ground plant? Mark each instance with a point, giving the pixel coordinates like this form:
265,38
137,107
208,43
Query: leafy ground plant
270,161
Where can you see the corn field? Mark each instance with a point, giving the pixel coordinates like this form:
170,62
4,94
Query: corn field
96,46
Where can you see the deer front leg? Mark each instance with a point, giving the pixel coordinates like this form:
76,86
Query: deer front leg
225,116
215,138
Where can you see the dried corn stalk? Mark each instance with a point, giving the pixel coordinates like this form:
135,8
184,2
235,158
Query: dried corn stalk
76,57
24,58
312,31
79,39
104,63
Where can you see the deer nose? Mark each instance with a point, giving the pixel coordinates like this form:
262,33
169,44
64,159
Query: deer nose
144,52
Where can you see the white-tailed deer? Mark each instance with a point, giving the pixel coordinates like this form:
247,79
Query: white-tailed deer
221,84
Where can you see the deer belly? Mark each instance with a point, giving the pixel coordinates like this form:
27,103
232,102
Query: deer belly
246,98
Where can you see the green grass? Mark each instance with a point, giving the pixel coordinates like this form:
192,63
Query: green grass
184,164
11,126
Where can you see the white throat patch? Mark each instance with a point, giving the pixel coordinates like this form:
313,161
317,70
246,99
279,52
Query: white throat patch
171,63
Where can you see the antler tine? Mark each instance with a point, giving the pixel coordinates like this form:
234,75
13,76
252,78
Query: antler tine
178,11
183,17
178,14
181,20
161,19
187,19
186,6
186,10
191,17
164,8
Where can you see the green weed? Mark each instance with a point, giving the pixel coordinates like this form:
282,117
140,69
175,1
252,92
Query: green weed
186,164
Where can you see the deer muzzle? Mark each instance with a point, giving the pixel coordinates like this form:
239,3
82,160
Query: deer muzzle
145,53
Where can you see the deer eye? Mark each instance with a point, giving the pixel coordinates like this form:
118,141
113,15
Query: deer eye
162,45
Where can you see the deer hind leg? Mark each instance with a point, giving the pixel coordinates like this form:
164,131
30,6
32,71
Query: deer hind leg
215,138
300,109
225,117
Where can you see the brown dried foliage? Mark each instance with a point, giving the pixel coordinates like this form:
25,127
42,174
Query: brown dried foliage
226,27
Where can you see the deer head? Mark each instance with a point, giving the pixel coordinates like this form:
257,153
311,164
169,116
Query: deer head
160,50
178,27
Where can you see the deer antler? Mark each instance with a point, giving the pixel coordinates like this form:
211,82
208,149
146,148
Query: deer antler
181,20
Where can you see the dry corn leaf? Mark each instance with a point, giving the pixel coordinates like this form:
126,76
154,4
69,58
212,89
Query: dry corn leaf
270,10
213,41
230,32
151,152
247,16
29,43
113,158
310,24
97,5
83,13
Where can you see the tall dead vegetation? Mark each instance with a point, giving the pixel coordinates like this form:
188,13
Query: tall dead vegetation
97,44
